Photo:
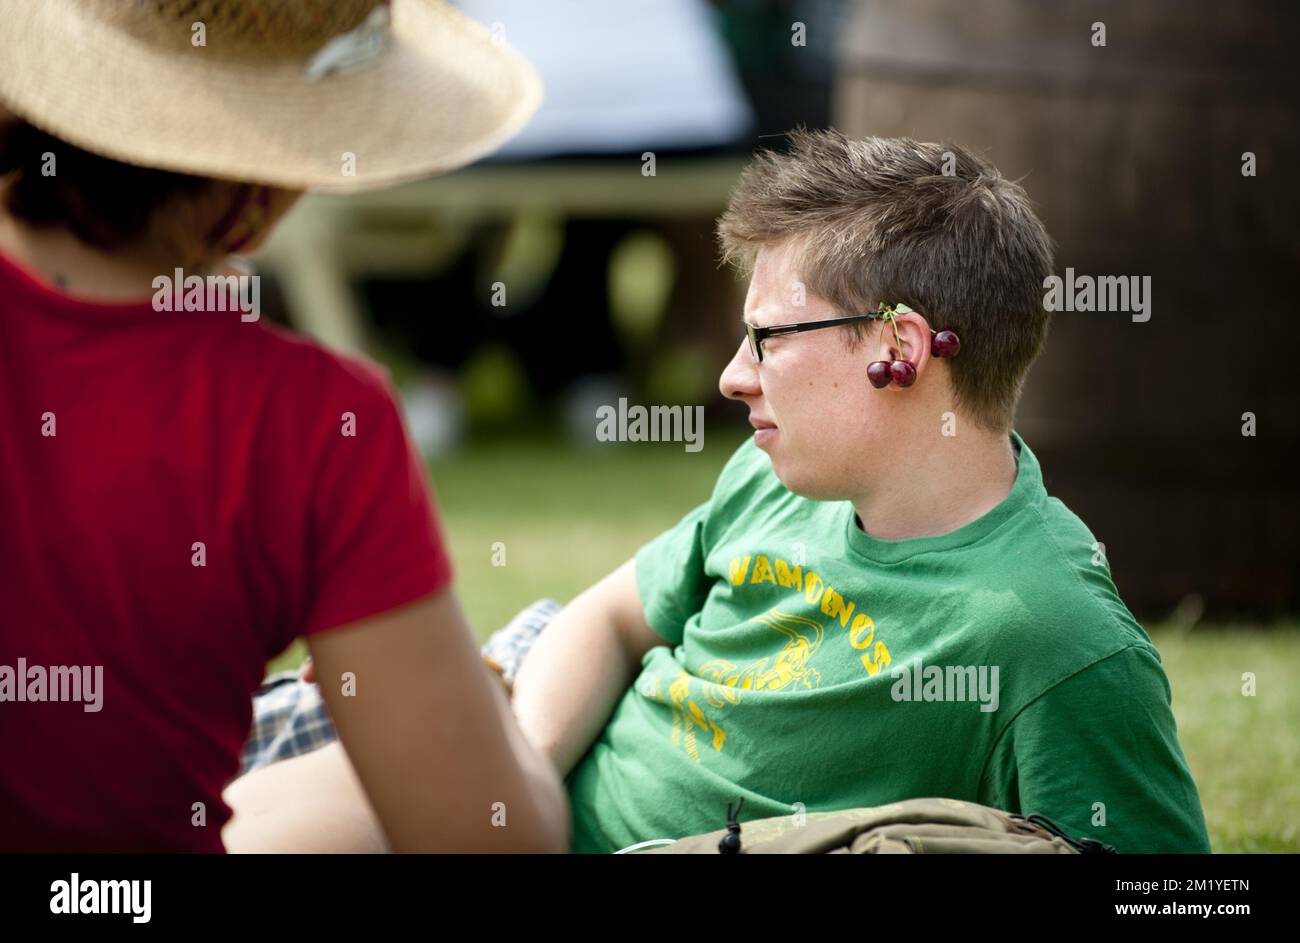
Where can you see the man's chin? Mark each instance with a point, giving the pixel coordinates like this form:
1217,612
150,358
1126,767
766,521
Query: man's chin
785,472
797,479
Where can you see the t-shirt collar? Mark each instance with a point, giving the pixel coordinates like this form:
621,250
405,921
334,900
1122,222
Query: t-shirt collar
1027,488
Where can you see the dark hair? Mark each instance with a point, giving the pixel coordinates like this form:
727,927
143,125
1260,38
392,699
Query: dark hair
103,202
931,226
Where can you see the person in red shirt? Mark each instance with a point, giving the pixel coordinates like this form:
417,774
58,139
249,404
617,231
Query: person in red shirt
184,488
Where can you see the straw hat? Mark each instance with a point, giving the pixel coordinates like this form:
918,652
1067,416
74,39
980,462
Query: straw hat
268,91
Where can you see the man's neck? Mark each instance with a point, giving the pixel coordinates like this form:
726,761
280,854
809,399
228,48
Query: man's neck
942,484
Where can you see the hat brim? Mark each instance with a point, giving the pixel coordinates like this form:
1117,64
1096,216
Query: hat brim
443,94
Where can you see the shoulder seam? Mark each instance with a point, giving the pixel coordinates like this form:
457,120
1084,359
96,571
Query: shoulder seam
1140,645
1091,594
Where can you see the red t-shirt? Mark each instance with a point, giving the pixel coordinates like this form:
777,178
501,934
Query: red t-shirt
127,437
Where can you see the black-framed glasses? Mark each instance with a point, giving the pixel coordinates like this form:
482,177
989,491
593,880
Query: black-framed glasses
759,334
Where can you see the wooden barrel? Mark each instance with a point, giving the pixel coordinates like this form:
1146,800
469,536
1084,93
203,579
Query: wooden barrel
1133,153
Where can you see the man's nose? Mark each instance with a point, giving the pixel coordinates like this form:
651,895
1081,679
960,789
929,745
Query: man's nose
740,377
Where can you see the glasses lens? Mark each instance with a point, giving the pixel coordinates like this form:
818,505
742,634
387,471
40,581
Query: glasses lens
754,347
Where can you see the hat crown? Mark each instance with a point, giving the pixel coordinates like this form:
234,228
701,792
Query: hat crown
250,27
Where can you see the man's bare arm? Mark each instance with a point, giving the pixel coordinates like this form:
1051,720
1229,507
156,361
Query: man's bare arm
581,665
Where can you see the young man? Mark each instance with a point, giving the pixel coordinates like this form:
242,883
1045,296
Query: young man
879,601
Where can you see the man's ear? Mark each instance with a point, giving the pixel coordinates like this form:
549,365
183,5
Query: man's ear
911,342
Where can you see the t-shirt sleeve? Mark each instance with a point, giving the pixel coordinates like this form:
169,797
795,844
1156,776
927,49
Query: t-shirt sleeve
1103,742
670,570
375,540
670,575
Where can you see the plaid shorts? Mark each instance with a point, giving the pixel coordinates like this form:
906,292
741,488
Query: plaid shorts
289,715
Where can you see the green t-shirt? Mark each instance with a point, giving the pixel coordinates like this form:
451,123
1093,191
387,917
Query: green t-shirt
813,667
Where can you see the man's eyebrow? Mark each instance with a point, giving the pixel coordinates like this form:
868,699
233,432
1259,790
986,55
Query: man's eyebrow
757,321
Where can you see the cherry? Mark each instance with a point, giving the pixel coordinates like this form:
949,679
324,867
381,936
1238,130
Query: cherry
902,372
945,344
878,374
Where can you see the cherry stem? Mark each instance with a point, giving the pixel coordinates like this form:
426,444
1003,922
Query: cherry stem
888,311
891,318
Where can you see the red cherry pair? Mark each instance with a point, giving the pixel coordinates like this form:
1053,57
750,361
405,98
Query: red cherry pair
882,373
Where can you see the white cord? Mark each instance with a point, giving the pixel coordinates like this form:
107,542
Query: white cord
645,844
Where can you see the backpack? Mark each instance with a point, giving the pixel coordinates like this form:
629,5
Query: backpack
914,826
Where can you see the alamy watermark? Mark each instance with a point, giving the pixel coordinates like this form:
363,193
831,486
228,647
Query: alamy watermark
78,896
946,683
653,424
1128,293
83,683
181,292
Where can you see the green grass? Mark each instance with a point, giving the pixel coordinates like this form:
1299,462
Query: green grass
567,517
1243,751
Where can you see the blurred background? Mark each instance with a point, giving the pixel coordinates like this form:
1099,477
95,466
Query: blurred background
577,267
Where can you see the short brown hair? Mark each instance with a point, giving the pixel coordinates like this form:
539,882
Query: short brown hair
931,226
108,204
